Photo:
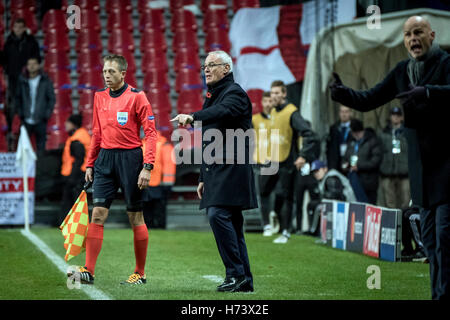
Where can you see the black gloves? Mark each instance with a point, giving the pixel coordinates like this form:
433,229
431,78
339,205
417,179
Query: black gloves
414,98
338,90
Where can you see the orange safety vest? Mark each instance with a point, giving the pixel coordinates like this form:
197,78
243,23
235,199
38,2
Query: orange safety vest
164,168
83,136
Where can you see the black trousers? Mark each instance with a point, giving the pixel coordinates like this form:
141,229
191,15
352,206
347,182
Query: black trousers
435,227
227,224
40,133
286,176
70,194
305,183
155,213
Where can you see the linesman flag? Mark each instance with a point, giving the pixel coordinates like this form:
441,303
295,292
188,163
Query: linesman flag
74,227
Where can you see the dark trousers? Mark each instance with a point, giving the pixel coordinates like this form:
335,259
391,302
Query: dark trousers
286,176
40,133
435,227
155,213
305,183
227,224
70,194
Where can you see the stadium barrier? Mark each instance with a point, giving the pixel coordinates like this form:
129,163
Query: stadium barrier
363,228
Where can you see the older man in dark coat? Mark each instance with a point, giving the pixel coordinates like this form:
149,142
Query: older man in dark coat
422,83
226,184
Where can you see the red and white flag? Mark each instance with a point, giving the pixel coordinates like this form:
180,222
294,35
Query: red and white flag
272,43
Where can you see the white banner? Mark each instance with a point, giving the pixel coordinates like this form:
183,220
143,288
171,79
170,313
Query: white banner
11,190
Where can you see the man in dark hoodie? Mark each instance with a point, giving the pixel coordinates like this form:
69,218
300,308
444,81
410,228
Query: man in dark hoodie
363,158
18,48
35,100
422,83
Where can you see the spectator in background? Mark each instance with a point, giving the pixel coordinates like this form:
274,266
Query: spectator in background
73,167
286,118
161,181
18,48
261,121
35,100
338,138
362,161
394,166
330,184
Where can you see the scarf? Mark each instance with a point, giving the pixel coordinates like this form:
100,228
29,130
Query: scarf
416,67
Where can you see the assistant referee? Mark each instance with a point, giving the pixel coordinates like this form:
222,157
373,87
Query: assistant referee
115,159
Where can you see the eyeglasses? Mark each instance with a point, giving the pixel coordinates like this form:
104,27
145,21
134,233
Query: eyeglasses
211,65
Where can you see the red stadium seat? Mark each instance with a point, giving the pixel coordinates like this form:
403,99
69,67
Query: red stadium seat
154,59
2,7
88,4
124,5
86,100
159,100
216,18
89,19
56,39
184,59
153,39
54,19
217,39
162,123
187,79
3,133
22,4
185,39
189,101
152,19
88,39
56,60
119,19
206,4
239,4
61,80
177,4
255,96
120,40
90,80
184,19
130,78
56,133
90,60
155,79
63,103
29,17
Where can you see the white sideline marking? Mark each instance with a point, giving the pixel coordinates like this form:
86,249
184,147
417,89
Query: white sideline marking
213,278
59,262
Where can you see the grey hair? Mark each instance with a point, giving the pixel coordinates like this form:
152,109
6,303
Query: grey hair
225,57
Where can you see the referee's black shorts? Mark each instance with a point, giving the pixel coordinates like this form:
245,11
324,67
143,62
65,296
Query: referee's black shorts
116,168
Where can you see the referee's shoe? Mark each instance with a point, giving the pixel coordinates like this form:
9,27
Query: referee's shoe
135,278
85,276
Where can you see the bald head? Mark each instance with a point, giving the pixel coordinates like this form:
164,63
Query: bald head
417,36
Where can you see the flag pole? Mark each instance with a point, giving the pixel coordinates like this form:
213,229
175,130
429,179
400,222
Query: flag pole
25,190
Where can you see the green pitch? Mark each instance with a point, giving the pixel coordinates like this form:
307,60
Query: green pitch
178,262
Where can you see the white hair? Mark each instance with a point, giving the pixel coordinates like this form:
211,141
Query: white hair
225,57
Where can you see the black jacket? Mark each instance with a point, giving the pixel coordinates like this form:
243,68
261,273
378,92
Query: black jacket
370,154
334,139
228,107
394,164
427,126
45,98
17,51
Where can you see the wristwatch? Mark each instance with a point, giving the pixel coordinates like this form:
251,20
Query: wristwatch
148,166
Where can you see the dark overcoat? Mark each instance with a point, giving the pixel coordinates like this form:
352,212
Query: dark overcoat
427,125
226,106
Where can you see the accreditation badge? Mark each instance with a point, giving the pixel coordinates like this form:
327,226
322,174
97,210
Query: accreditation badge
353,160
122,118
342,149
396,146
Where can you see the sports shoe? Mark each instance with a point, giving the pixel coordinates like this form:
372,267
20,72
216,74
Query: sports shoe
85,276
135,278
267,231
283,238
274,222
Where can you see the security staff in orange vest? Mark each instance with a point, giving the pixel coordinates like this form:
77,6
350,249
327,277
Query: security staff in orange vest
161,181
73,162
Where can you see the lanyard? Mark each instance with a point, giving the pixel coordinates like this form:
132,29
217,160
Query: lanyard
356,147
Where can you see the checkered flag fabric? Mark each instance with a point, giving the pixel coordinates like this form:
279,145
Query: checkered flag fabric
74,227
